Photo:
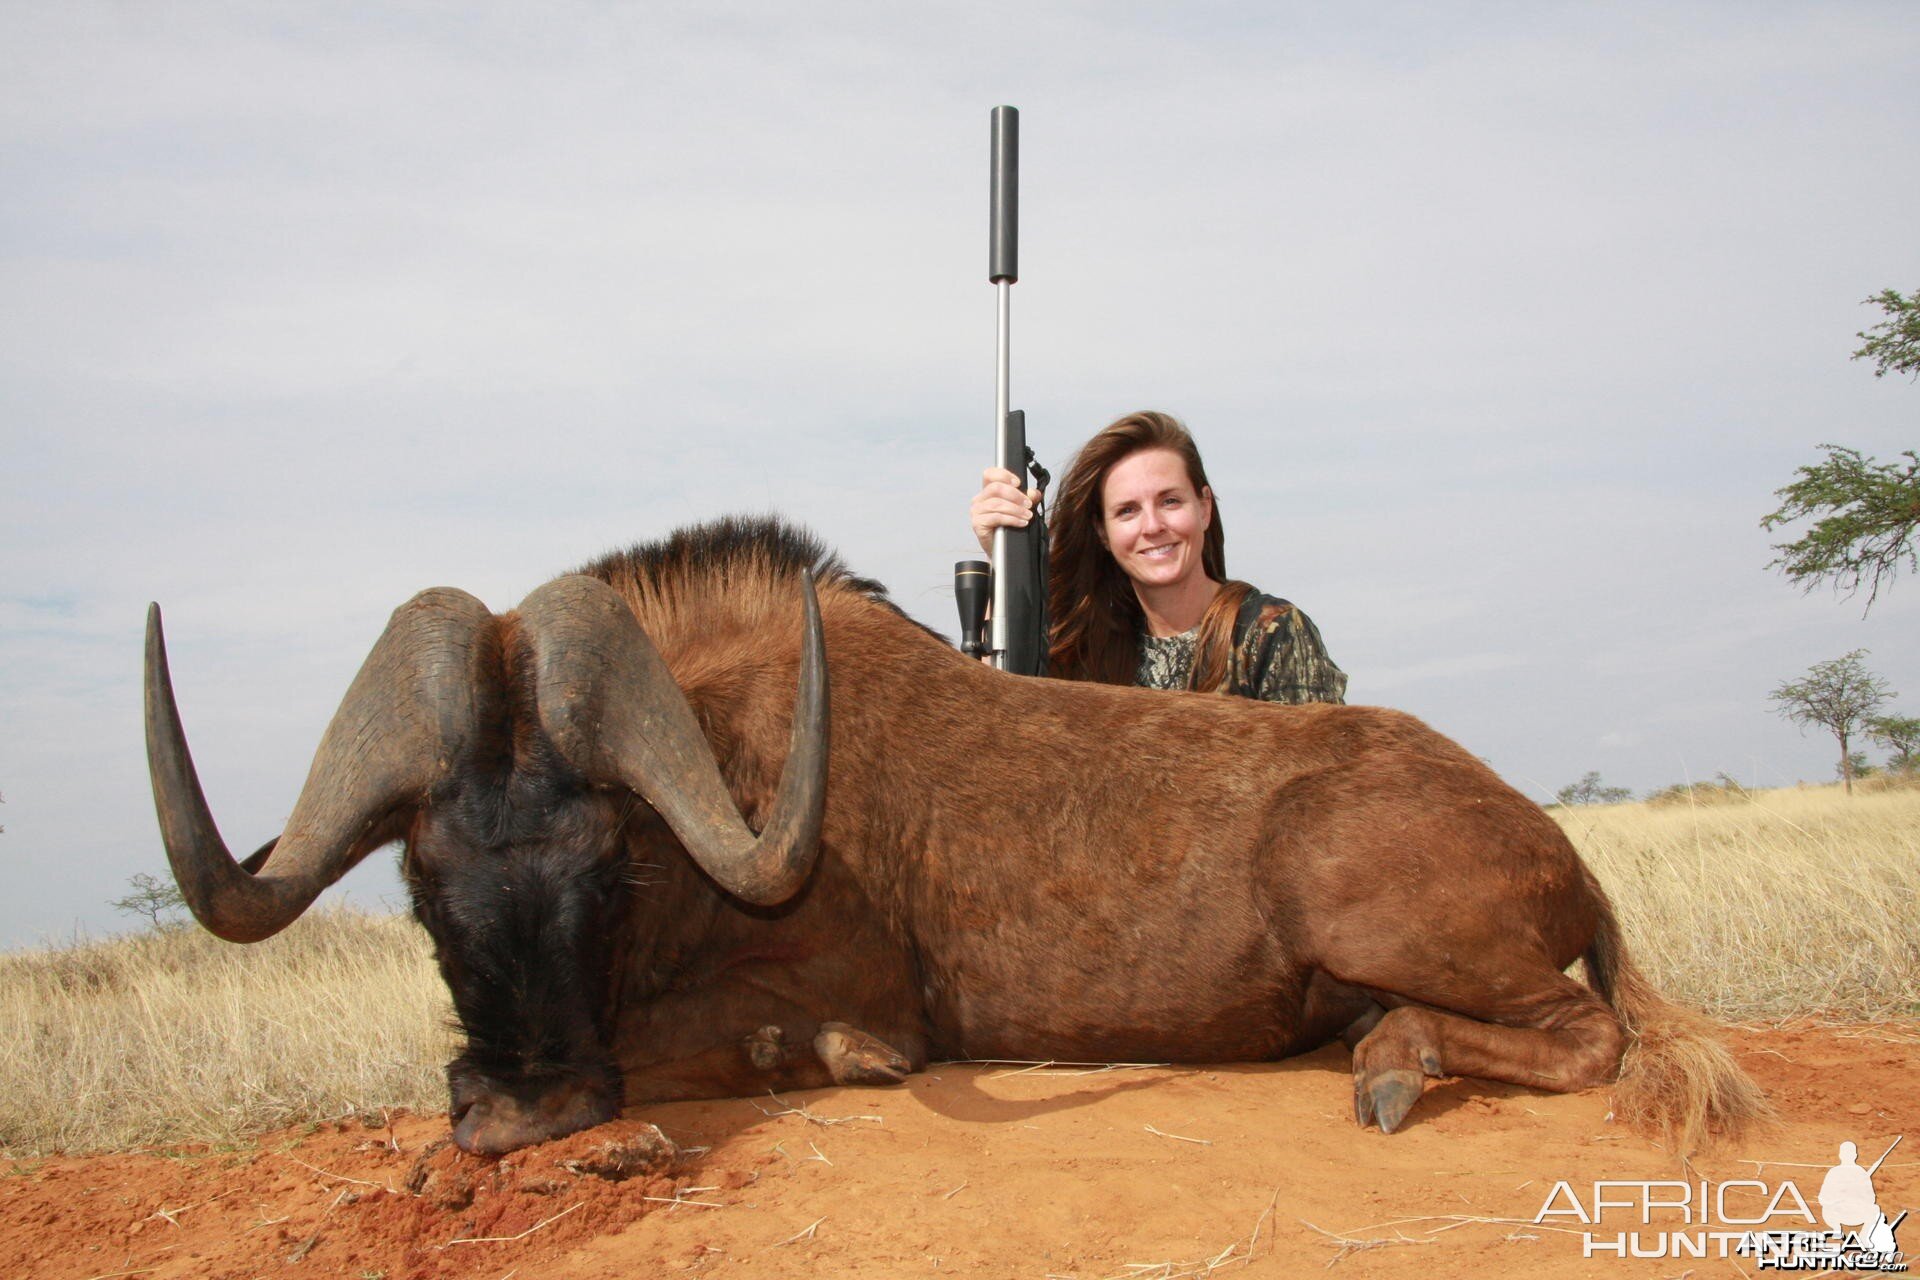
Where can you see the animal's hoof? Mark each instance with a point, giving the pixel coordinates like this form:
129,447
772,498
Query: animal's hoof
764,1048
854,1057
1385,1097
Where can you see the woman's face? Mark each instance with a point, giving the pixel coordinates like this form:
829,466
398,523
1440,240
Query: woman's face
1152,520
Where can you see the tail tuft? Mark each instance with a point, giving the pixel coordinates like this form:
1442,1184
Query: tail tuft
1677,1079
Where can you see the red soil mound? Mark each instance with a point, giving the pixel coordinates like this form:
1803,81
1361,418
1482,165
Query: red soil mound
1158,1172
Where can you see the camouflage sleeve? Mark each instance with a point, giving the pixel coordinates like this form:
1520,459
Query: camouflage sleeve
1284,654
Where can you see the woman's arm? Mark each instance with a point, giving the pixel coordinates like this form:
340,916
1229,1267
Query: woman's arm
1283,659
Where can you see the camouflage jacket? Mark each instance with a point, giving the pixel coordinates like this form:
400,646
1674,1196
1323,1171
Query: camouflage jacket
1278,656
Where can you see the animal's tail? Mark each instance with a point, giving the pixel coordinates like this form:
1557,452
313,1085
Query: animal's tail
1677,1078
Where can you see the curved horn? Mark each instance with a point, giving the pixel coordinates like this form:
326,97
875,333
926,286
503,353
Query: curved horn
401,726
611,706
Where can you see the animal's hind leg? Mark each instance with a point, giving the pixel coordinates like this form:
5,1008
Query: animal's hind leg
1559,1036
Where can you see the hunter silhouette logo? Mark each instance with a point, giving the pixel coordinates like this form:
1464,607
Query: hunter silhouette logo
1738,1218
1847,1199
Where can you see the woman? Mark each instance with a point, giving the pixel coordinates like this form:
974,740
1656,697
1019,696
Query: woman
1137,581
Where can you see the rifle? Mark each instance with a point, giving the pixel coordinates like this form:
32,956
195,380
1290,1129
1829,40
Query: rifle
1017,577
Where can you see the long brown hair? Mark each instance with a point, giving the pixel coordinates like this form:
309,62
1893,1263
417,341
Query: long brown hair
1097,618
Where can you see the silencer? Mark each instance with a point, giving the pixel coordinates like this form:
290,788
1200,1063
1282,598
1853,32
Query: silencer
1003,238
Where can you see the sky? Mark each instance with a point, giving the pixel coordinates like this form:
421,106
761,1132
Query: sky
1498,325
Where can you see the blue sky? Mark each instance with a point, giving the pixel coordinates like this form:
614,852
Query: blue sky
1498,325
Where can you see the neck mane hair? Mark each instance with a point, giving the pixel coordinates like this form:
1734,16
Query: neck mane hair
721,601
737,571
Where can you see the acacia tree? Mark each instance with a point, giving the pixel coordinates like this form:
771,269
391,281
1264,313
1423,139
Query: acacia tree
1864,516
1864,512
1894,344
1838,695
152,897
1898,734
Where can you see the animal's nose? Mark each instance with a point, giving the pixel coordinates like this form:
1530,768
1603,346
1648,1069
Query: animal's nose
498,1123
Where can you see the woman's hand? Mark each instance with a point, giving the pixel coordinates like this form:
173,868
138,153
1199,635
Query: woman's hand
1000,504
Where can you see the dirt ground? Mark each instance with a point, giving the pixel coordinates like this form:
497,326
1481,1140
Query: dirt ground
980,1171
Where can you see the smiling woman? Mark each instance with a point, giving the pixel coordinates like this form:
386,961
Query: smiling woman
1137,581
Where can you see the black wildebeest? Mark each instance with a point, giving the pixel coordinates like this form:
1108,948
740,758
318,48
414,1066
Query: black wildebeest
976,865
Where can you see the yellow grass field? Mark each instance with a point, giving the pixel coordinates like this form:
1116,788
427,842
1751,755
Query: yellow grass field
1760,907
1768,904
176,1035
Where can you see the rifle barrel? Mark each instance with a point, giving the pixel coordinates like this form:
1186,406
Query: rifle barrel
1003,240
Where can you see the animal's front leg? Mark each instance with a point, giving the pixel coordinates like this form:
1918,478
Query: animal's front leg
851,1056
747,1065
771,1057
736,1038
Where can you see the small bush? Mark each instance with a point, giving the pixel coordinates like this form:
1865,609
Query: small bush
1722,790
1890,779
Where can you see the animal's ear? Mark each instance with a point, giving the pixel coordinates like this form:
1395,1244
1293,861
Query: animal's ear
252,863
384,832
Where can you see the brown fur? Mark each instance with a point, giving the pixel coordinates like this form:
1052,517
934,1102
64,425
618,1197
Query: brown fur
1049,869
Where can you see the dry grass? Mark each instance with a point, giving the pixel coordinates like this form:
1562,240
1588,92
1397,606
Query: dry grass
1767,904
1753,907
176,1036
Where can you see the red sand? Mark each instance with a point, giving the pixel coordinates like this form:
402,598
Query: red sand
967,1170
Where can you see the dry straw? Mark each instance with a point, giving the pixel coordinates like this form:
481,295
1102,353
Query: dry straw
177,1036
1768,904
